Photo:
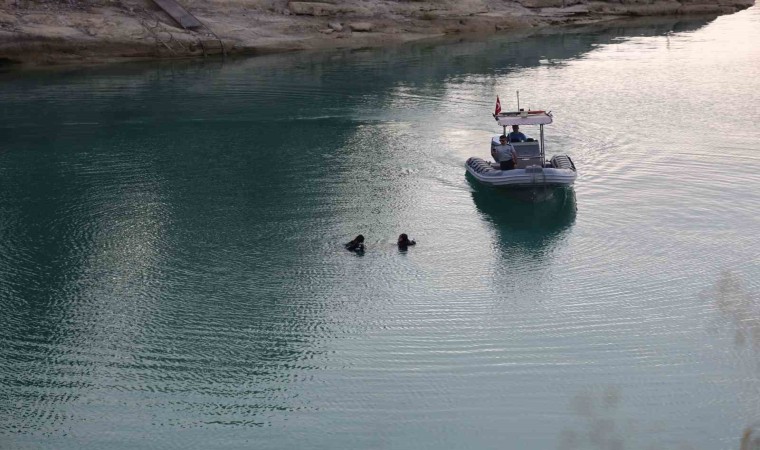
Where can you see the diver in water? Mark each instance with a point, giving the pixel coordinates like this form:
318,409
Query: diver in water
357,245
404,242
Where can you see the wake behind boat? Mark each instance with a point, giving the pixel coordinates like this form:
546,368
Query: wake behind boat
521,162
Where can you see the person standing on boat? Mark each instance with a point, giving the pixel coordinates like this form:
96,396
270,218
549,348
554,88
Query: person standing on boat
516,135
504,154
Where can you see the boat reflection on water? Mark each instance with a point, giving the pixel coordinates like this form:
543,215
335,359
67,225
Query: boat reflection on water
533,219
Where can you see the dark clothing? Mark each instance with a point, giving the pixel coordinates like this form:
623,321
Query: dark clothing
507,165
355,246
404,244
516,136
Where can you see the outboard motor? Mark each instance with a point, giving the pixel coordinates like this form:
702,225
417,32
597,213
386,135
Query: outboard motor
562,162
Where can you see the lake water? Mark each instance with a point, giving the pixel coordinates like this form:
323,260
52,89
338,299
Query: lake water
172,272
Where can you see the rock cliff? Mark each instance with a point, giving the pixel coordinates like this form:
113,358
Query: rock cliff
81,31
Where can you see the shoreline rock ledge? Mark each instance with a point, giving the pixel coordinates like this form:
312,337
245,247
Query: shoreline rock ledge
42,32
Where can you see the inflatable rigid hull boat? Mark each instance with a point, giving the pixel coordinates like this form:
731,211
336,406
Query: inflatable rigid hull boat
522,163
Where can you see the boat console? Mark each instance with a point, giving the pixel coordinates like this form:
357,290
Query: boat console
528,154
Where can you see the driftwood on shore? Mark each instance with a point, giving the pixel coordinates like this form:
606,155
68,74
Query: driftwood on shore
80,31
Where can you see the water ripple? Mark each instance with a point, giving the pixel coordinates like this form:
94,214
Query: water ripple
172,249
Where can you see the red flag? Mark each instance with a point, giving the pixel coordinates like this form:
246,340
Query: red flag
498,106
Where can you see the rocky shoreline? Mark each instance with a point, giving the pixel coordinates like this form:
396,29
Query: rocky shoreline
43,32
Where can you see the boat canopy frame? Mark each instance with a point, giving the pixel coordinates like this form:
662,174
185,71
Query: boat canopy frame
507,119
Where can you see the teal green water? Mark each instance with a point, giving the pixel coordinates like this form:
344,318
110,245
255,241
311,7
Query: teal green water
172,272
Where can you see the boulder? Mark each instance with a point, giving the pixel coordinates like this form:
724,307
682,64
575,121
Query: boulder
360,26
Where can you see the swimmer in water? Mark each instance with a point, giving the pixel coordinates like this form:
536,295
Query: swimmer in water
357,245
404,242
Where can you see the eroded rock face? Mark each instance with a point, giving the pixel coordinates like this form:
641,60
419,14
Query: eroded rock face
312,8
48,31
544,3
557,3
642,7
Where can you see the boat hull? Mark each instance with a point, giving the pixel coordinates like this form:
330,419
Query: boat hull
530,177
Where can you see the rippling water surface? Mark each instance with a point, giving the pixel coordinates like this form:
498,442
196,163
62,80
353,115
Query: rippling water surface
172,274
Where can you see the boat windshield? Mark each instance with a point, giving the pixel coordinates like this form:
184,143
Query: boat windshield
526,149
